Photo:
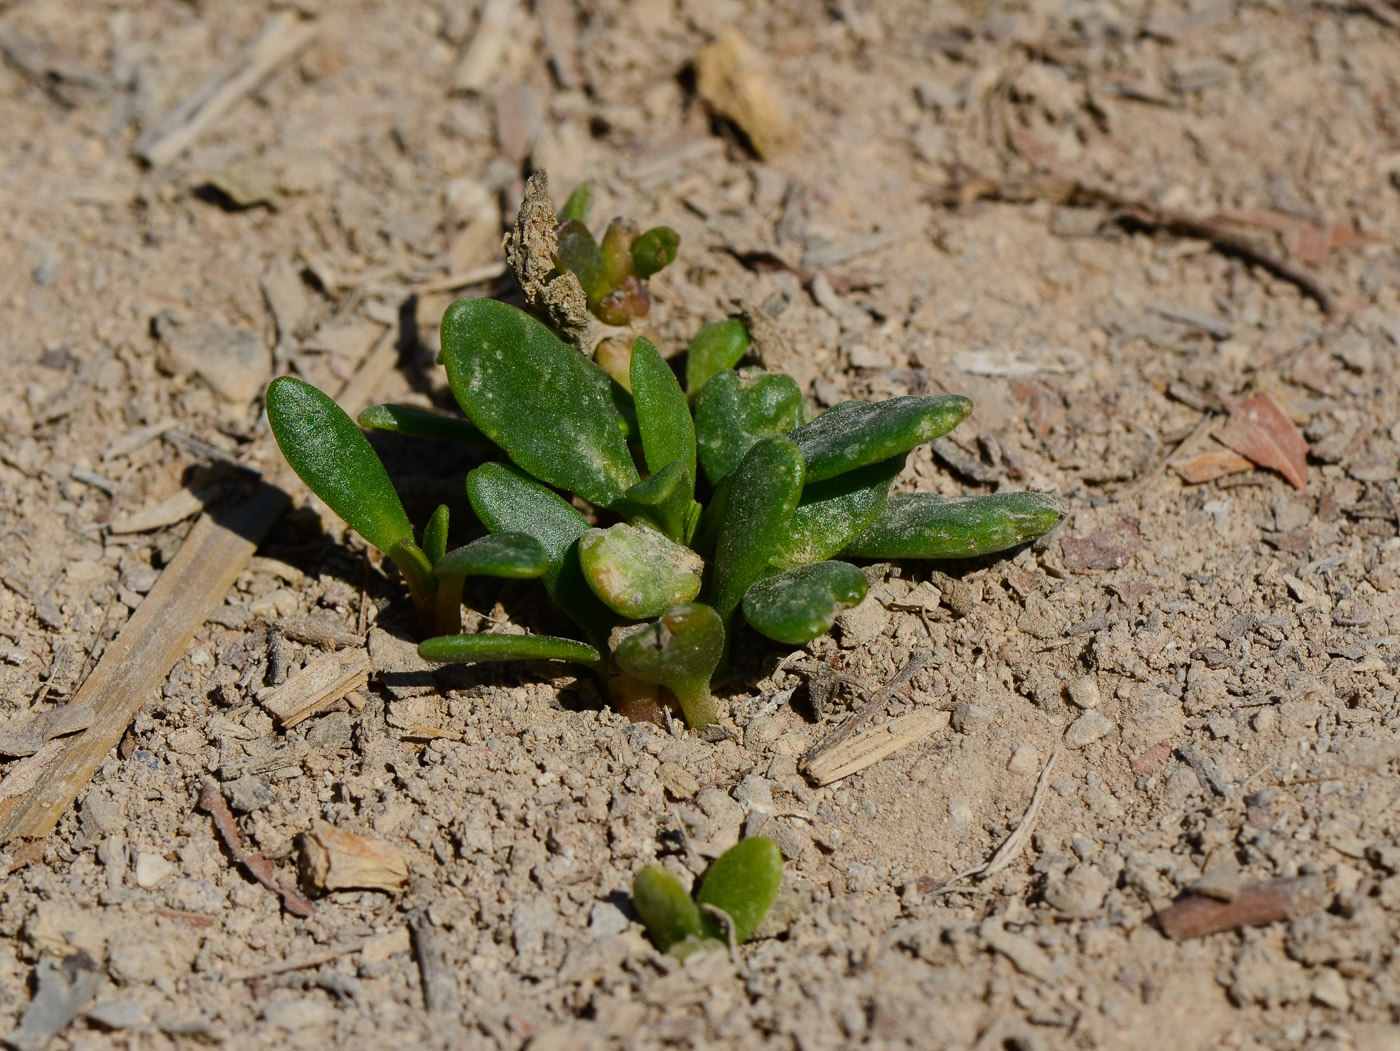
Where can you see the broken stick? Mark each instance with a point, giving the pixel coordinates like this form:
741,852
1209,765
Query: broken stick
211,801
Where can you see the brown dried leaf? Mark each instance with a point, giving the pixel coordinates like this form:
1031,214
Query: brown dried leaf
1261,431
1110,548
1211,465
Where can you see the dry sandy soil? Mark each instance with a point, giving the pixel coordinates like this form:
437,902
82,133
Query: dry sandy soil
1212,665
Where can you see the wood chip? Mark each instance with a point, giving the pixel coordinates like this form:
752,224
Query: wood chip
334,859
138,660
1209,466
282,37
731,78
176,508
873,744
319,685
1254,905
1261,431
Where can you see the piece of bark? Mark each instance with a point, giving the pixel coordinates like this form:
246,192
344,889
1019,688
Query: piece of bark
319,685
1255,904
314,633
138,660
333,859
531,250
731,77
1259,430
257,865
26,734
284,35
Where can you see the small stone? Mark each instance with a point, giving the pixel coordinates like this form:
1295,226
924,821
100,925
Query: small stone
1084,692
1079,893
277,603
760,733
118,1014
185,741
678,782
196,895
1024,760
248,793
607,919
152,870
330,733
863,623
234,362
755,794
1330,989
292,1014
970,717
1087,729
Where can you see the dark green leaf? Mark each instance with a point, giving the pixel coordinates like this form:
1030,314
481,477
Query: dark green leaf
506,500
469,649
579,253
655,250
638,572
422,423
833,513
333,457
547,406
663,415
718,345
732,414
579,204
922,525
744,883
801,604
667,909
856,434
680,651
435,535
762,496
514,555
665,500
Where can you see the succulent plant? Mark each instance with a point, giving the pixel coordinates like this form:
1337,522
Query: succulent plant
738,890
699,506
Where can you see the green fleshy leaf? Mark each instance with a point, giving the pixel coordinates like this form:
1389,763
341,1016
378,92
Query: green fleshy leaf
759,504
579,204
655,250
732,414
435,535
855,434
506,500
744,883
518,556
718,345
471,649
579,252
548,407
616,249
663,415
335,460
922,525
666,501
624,302
833,513
680,651
638,572
669,912
801,604
414,422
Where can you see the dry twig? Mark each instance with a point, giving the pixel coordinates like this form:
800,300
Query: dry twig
211,801
1256,904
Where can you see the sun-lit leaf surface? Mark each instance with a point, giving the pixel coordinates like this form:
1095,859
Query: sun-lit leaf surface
514,555
798,605
759,504
638,572
655,250
665,500
680,651
834,512
579,252
663,414
579,204
718,345
922,525
548,407
743,882
335,460
734,413
468,649
859,433
616,249
666,907
414,422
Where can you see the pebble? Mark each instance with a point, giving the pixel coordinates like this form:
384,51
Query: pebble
1087,729
152,870
234,362
1024,760
1330,989
970,717
294,1014
1084,692
863,623
248,793
196,895
607,919
118,1014
185,741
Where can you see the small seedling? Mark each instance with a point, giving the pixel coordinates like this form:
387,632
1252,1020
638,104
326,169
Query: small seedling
737,891
727,498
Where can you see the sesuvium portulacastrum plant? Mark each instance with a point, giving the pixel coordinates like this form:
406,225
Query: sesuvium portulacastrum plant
719,501
738,890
